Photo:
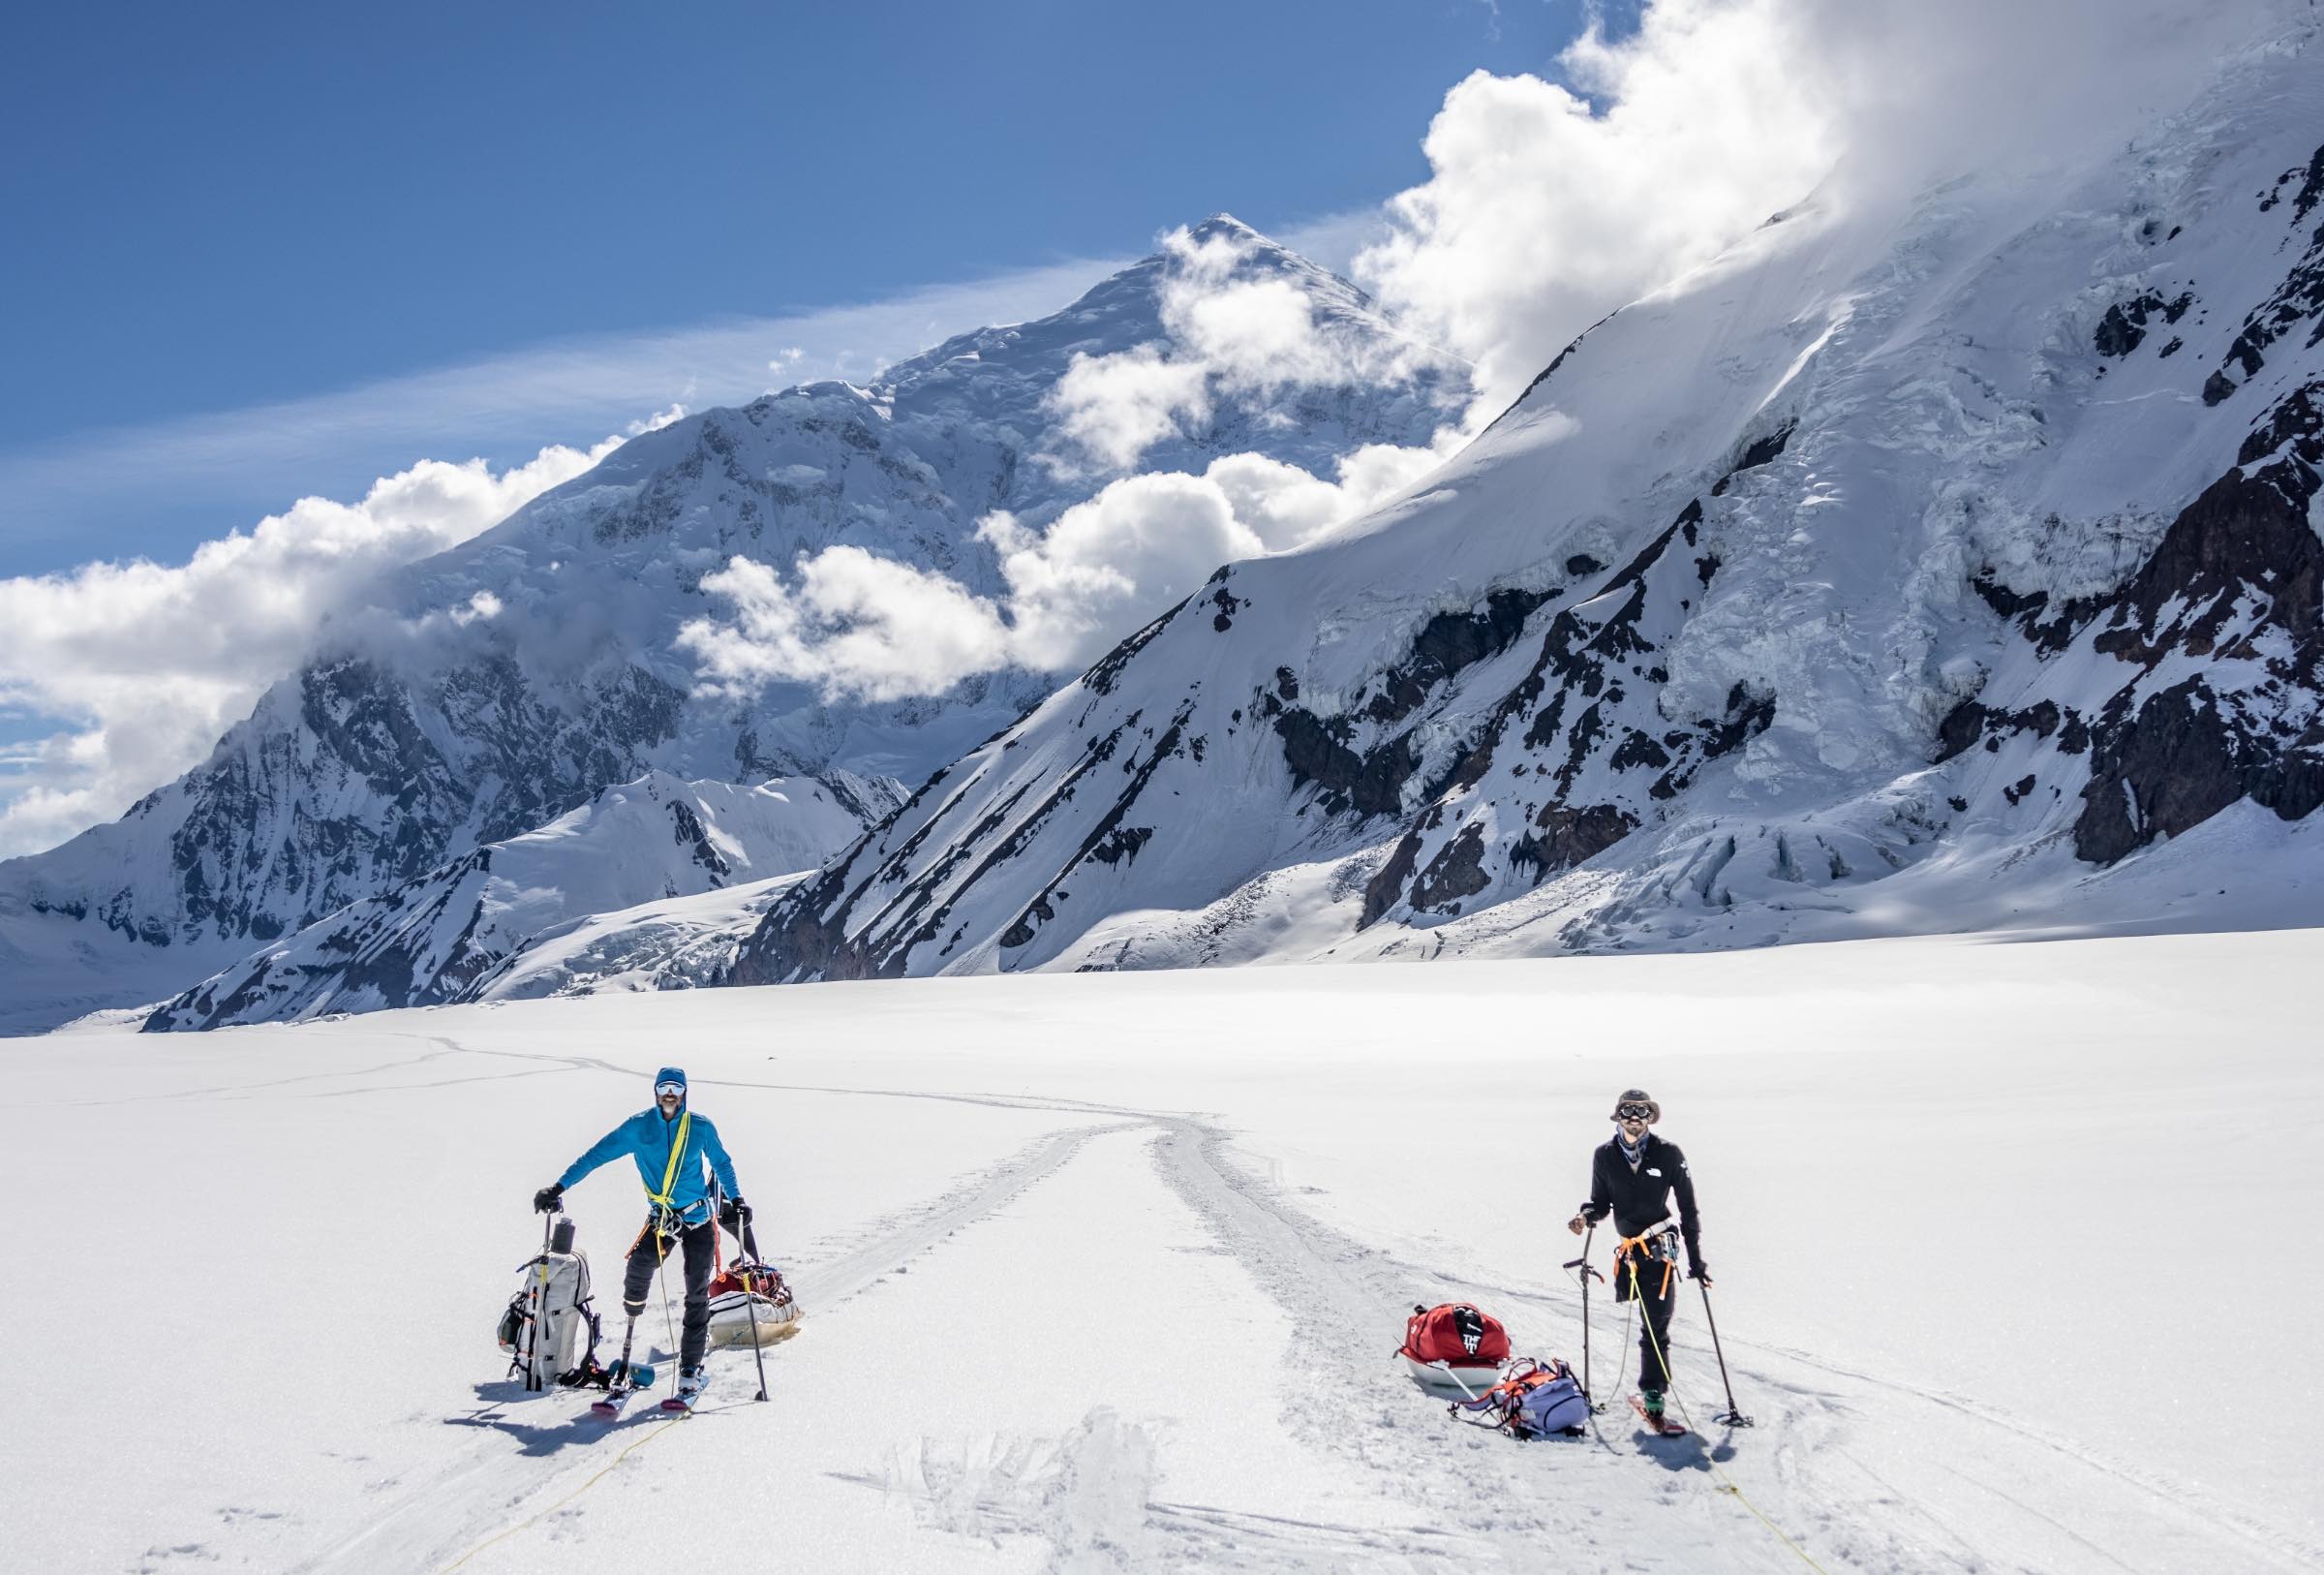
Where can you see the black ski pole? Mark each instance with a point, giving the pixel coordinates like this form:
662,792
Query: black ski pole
744,1238
1584,1264
1734,1418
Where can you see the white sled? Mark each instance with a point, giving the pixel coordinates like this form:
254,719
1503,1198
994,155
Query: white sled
730,1319
745,1292
1450,1376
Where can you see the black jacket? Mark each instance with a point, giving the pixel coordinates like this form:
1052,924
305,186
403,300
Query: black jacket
1640,1199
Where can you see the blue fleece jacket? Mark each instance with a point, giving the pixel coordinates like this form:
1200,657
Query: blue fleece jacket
646,1137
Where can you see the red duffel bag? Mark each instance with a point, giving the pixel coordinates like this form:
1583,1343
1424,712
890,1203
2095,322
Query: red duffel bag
1473,1344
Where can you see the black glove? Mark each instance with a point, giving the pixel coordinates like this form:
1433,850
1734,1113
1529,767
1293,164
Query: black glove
734,1215
1698,1272
548,1201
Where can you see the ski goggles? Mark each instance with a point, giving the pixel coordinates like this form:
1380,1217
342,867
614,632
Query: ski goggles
1633,1112
669,1091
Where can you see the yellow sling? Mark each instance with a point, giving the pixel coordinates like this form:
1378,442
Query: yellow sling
670,1177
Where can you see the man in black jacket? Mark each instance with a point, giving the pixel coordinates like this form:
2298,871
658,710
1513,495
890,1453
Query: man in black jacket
1633,1176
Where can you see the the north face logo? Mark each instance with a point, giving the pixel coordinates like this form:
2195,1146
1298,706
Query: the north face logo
1471,1326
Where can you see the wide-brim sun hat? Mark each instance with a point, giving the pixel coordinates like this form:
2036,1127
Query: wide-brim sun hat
1637,1097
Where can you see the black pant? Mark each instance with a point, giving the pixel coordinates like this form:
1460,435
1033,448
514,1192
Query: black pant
1657,1297
646,1255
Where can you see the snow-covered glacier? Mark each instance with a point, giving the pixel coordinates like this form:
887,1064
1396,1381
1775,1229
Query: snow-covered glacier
1933,560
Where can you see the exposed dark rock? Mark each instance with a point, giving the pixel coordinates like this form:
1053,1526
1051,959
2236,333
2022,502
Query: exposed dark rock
1759,451
1963,726
695,838
1101,678
1457,871
1449,642
1122,842
2124,325
2186,753
1372,783
1387,884
1566,836
2292,435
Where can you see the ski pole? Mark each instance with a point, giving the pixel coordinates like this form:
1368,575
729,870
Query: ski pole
1734,1418
757,1354
741,1237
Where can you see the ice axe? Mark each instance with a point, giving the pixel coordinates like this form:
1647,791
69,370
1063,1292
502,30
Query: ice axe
1731,1417
1584,1264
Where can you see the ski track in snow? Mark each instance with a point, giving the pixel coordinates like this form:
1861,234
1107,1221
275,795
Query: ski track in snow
1849,1496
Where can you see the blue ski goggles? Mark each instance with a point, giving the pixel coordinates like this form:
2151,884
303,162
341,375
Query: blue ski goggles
669,1091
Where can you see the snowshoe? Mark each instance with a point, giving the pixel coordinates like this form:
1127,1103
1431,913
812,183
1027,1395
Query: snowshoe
1655,1421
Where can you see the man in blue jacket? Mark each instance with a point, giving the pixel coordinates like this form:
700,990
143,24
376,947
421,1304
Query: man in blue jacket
670,1144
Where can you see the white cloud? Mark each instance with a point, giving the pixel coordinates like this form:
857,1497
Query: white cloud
1116,407
148,663
1547,207
857,626
854,625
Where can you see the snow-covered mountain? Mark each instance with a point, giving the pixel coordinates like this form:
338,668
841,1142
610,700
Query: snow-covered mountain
505,682
455,931
1928,561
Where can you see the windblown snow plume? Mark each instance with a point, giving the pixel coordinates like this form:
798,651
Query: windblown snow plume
1549,205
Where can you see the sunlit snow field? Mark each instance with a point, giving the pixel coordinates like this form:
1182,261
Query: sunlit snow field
2013,1248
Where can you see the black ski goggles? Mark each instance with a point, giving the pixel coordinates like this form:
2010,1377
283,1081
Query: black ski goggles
1633,1112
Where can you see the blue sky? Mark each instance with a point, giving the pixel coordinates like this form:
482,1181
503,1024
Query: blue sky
245,247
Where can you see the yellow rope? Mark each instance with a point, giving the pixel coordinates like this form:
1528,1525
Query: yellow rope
649,1436
1726,1482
